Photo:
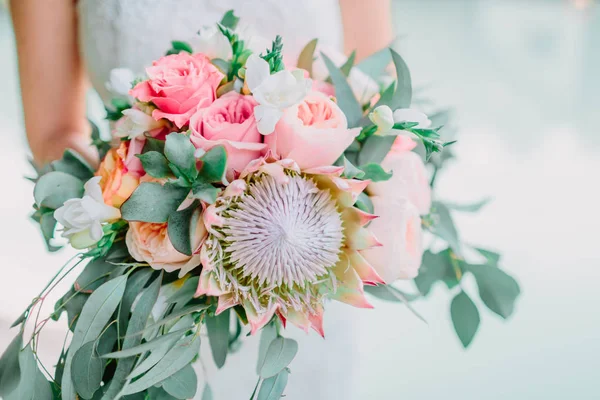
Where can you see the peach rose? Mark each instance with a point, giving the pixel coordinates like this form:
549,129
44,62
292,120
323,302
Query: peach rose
120,172
409,177
398,229
230,122
149,242
179,84
313,133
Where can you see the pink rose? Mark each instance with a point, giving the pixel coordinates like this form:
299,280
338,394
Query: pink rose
409,177
398,229
313,133
179,84
230,122
149,242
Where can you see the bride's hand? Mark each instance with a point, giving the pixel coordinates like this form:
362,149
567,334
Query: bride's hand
367,26
52,78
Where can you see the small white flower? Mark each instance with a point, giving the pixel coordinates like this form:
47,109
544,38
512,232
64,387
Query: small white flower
135,123
274,93
383,118
82,219
211,42
120,81
412,115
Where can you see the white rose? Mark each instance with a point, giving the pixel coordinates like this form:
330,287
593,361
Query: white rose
383,118
82,219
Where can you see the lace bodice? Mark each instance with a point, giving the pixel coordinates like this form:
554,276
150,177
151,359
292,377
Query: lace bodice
132,33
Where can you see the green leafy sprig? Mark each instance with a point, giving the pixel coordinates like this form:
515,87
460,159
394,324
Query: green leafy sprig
274,55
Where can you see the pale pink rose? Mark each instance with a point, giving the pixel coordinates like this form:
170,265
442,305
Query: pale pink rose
398,229
313,133
149,242
179,84
409,177
229,122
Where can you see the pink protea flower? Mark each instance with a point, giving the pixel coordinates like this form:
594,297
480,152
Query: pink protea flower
281,240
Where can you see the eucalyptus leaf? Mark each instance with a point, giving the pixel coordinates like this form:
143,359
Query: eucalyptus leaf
179,150
54,188
152,144
279,355
177,358
230,20
161,346
272,388
135,285
444,227
32,384
155,393
350,171
146,346
205,191
48,226
139,319
364,203
153,202
267,335
155,164
181,226
207,393
390,293
465,318
470,208
347,66
93,275
307,56
182,384
436,267
176,315
186,292
96,312
218,336
214,165
403,93
86,370
375,64
72,302
73,164
344,95
375,149
108,340
10,371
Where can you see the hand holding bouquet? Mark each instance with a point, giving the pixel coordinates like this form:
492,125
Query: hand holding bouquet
235,192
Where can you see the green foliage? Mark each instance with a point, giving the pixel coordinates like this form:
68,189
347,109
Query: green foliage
178,46
350,171
443,226
56,187
375,64
436,267
267,335
465,318
274,55
153,202
185,293
153,144
155,164
72,302
86,370
345,97
10,370
182,384
273,387
180,228
469,208
375,173
207,393
139,319
135,284
118,106
218,335
179,151
347,66
364,203
214,165
307,56
279,355
97,141
230,20
375,148
93,275
73,164
390,293
239,54
176,359
32,383
96,312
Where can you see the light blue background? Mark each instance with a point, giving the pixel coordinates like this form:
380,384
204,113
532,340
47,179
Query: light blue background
524,80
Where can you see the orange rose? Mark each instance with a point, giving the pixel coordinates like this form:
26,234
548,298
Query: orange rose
117,180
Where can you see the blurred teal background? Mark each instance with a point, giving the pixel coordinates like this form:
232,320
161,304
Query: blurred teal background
524,80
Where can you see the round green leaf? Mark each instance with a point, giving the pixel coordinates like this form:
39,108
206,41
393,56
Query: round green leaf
54,188
272,388
153,202
218,336
465,318
86,370
280,354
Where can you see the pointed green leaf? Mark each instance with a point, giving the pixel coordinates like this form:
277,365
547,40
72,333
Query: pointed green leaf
280,354
470,208
153,202
93,275
364,203
182,384
436,267
375,64
10,372
135,285
267,335
207,393
73,164
347,66
375,149
444,227
177,358
343,93
375,173
176,315
96,312
33,384
179,150
214,165
153,144
272,388
86,370
181,46
205,191
218,336
350,171
307,56
229,20
147,346
403,94
465,318
497,289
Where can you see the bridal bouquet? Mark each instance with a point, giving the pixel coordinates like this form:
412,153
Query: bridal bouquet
238,194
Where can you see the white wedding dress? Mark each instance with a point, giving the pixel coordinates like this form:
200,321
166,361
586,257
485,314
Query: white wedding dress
133,33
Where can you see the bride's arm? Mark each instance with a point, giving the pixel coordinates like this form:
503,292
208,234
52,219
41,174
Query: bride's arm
52,78
367,26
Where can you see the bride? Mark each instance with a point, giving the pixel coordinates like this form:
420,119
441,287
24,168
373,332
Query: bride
66,45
